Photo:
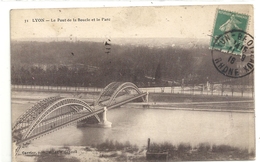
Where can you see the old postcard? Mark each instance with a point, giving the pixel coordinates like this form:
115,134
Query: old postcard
172,83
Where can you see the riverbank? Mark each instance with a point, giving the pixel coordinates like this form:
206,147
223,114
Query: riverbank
78,154
246,106
178,97
110,151
189,102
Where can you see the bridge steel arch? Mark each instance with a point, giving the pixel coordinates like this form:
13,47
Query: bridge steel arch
57,104
36,109
114,88
106,92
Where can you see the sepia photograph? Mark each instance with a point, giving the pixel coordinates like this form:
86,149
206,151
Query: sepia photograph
144,83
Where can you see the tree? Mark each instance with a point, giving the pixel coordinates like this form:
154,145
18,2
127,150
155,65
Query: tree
158,75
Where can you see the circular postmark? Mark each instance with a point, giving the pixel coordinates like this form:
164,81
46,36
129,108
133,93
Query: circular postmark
233,53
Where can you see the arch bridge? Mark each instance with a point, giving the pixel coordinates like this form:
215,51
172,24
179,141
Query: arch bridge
54,113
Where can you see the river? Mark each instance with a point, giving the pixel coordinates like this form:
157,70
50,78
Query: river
137,125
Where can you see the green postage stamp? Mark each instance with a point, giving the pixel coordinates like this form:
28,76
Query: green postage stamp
227,21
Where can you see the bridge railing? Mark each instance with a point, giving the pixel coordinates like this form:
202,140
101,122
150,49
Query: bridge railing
234,91
55,88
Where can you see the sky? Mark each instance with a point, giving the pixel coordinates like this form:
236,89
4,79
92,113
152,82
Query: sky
121,22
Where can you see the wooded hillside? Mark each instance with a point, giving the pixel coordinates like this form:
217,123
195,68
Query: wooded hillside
88,64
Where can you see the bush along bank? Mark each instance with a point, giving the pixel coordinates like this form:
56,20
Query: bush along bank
180,152
203,151
117,151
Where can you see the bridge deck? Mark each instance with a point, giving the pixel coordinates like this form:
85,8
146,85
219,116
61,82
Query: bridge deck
64,120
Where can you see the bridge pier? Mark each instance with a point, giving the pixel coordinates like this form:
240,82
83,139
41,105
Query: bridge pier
103,121
147,106
147,97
